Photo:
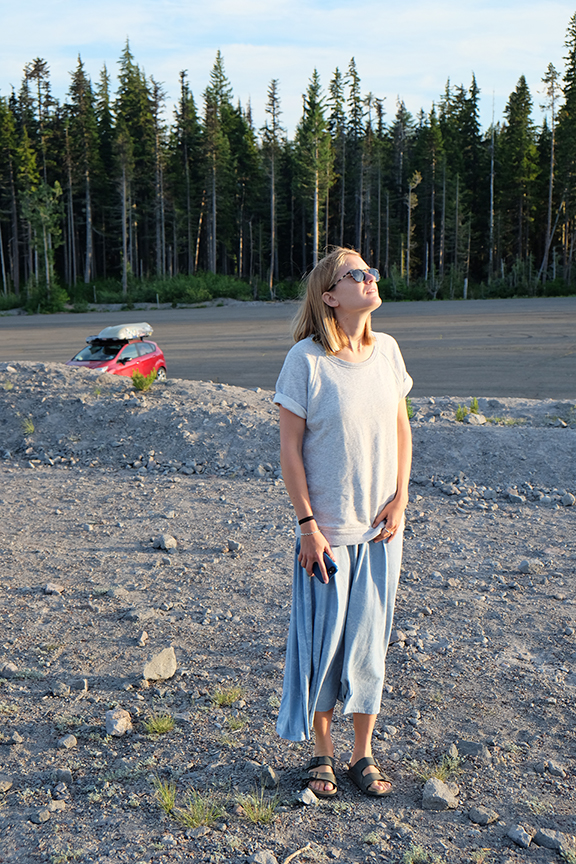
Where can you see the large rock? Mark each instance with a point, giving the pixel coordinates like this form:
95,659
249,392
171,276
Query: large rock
482,816
165,541
162,666
550,839
519,835
118,722
5,783
438,796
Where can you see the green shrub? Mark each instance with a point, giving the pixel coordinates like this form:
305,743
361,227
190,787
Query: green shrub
144,382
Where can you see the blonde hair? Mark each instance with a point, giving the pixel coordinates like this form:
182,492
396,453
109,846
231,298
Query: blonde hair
315,318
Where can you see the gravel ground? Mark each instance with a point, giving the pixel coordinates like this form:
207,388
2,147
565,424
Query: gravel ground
96,479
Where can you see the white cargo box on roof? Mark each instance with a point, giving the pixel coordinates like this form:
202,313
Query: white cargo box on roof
126,331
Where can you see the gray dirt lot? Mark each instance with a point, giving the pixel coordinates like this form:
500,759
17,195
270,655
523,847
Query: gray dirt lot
483,661
520,347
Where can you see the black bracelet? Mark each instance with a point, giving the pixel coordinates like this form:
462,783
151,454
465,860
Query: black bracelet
306,519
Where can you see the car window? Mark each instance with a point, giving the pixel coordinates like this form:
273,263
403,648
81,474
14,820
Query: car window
99,351
129,352
146,348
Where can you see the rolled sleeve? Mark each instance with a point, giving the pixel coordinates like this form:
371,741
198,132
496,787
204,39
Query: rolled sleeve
290,405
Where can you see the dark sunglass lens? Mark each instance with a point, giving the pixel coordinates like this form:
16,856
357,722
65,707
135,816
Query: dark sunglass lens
357,275
375,273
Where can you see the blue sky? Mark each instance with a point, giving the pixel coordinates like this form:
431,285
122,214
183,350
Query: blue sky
404,49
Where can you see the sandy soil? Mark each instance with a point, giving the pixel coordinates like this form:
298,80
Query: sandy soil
484,657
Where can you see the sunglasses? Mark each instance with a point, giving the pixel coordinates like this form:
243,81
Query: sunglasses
359,276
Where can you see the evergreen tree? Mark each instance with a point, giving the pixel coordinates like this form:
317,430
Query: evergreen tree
315,157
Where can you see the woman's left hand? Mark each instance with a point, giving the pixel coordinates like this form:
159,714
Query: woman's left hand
390,518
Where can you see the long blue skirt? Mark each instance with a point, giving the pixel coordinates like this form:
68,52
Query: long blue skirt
339,635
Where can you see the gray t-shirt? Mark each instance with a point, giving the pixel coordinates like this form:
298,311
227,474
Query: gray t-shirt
350,446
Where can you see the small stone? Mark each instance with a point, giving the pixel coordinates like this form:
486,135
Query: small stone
268,777
142,639
397,636
540,767
307,797
140,614
550,839
165,541
453,751
515,498
238,810
169,840
234,546
118,722
60,689
53,588
8,670
196,833
60,790
64,775
79,684
569,631
438,796
474,749
524,567
482,816
475,419
5,783
40,816
56,806
16,738
162,666
568,500
519,835
67,742
555,769
263,856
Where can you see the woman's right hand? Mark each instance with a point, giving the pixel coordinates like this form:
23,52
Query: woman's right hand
312,549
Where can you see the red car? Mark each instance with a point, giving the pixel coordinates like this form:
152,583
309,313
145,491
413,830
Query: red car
122,350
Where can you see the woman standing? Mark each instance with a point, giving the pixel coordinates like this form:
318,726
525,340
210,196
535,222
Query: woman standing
345,452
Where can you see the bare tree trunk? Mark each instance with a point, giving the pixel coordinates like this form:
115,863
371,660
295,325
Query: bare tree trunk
124,235
272,224
409,235
343,190
387,258
190,260
15,244
441,261
379,220
456,221
213,249
544,267
89,246
491,239
2,263
316,212
432,261
197,253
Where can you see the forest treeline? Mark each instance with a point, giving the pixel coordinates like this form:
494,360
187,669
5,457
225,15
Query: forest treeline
102,198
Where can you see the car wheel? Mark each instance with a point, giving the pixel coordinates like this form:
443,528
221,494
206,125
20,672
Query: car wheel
161,374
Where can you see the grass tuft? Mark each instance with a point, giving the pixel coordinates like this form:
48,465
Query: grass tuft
144,382
27,426
159,724
569,855
409,409
226,698
165,794
448,767
259,807
198,810
415,855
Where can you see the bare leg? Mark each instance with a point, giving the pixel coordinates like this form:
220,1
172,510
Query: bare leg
363,729
323,746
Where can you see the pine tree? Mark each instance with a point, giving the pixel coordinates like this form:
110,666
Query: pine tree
272,137
315,156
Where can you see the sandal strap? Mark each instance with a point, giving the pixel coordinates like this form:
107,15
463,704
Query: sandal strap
361,764
321,760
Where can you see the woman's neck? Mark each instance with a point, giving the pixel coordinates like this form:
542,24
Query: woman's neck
354,329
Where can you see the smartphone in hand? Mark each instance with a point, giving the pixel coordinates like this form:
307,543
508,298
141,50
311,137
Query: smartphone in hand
330,565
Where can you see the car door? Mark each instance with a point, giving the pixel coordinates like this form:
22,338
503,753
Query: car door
147,352
128,361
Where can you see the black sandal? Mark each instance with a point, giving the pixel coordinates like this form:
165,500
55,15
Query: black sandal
364,781
326,776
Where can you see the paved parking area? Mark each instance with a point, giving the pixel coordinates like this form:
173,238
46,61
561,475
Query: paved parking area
520,347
